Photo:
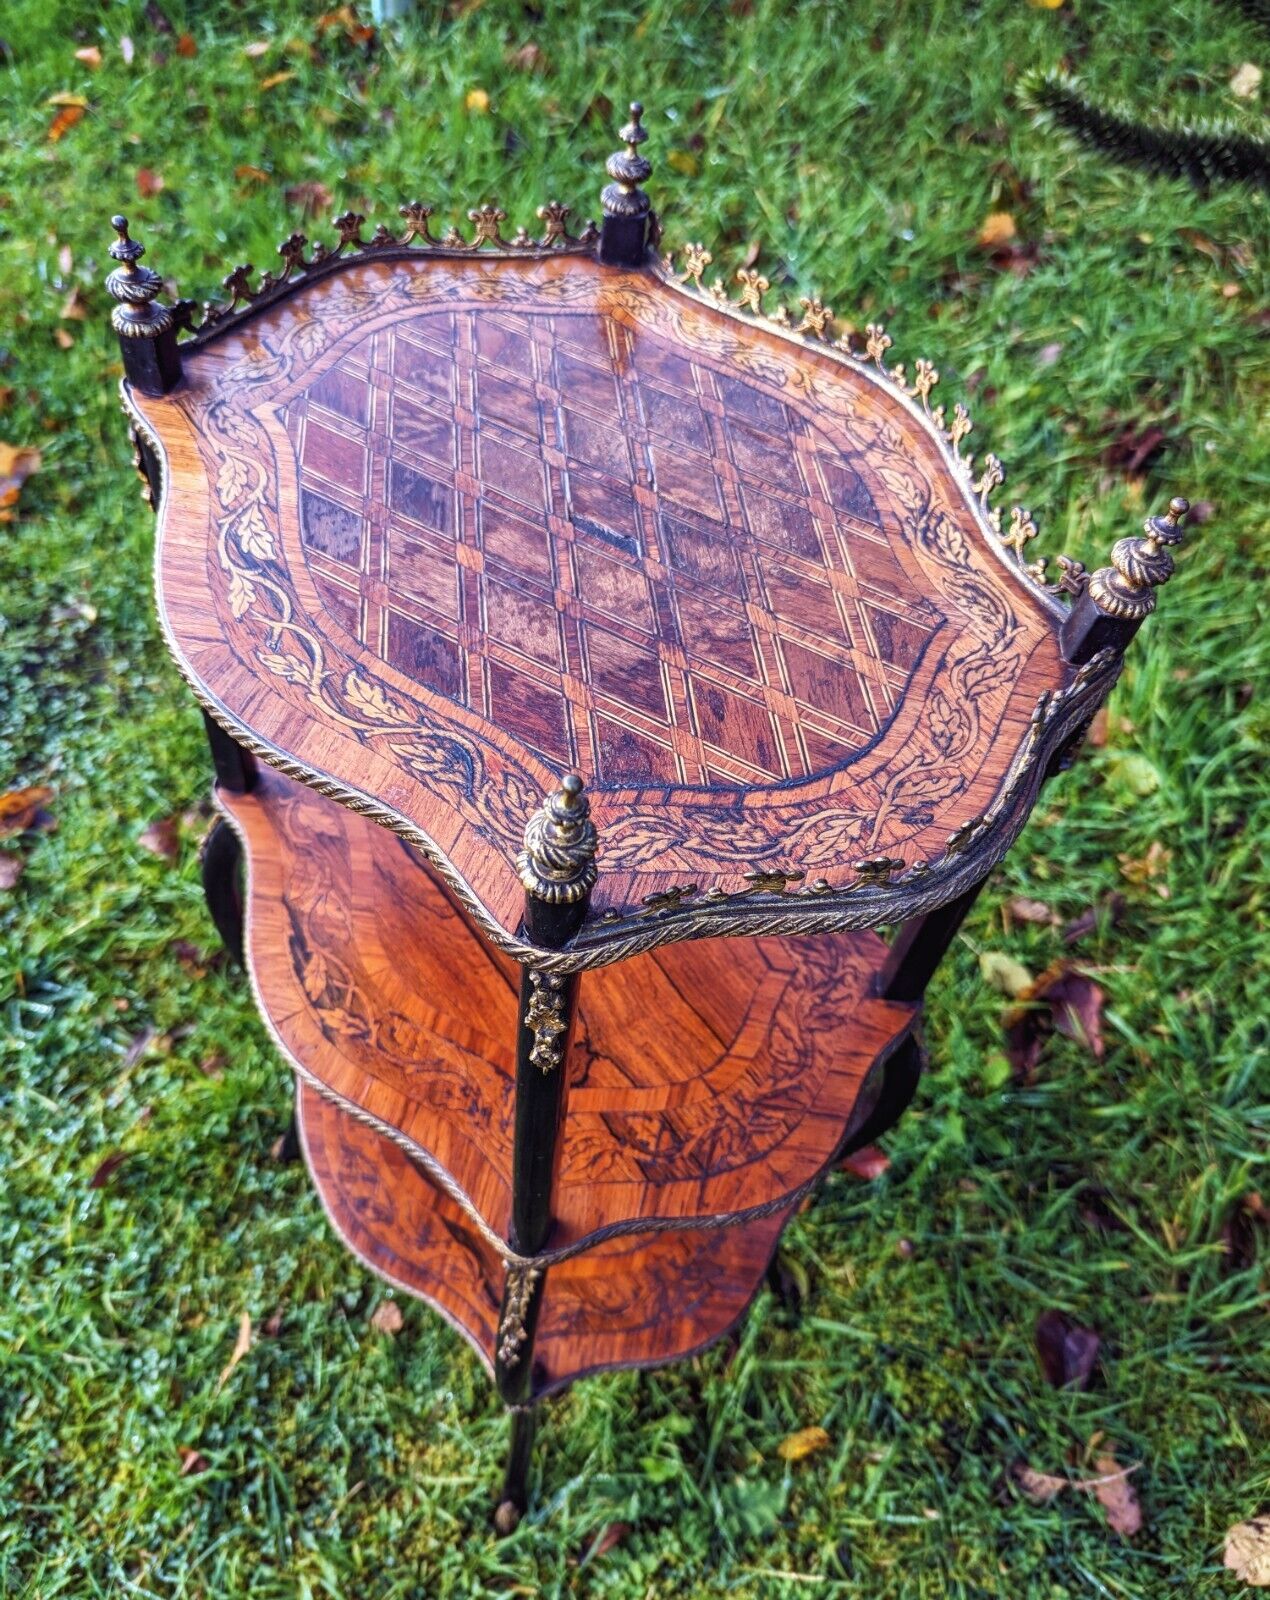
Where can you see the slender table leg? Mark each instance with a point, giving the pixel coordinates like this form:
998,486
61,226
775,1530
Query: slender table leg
557,869
221,857
920,946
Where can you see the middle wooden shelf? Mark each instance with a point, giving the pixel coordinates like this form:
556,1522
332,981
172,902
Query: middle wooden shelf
707,1080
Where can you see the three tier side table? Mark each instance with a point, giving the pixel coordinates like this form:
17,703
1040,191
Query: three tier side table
555,611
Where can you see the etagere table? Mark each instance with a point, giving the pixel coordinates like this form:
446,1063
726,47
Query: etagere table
446,521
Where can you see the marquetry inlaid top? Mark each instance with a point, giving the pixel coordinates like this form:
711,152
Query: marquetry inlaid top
435,532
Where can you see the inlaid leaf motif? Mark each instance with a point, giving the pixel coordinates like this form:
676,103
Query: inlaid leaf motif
253,534
315,976
371,701
233,480
941,535
949,724
906,488
310,340
242,593
937,783
284,666
233,425
984,671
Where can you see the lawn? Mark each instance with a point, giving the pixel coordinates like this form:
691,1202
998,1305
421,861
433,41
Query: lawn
1109,351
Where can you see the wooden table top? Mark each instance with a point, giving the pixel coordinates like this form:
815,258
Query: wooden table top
435,532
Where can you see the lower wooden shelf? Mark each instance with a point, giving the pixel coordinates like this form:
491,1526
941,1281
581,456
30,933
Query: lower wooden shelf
639,1300
707,1080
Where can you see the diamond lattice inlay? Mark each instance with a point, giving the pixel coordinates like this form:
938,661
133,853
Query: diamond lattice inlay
641,565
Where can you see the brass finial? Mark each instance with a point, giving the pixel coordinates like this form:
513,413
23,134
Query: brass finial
628,169
558,861
1139,565
137,316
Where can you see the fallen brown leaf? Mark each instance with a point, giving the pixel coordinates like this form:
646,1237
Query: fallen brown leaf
1004,974
17,463
477,100
868,1163
611,1535
996,229
74,308
1062,999
311,196
345,19
387,1318
528,58
1039,1487
1248,1552
149,182
162,838
62,339
139,1045
1116,1495
1147,869
256,49
1241,1231
1022,909
250,174
1068,1352
65,98
90,55
273,79
273,1326
192,1462
1112,906
213,1065
186,46
22,810
1246,81
806,1442
241,1347
10,870
1133,447
107,1168
64,121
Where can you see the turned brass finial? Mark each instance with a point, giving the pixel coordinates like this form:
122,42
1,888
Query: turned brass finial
628,169
558,861
137,316
1139,565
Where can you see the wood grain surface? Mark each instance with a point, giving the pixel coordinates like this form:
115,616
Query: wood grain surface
634,1301
705,1080
436,532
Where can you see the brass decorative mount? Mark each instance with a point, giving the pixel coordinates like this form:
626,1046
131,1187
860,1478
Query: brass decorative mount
558,862
628,169
137,316
1139,565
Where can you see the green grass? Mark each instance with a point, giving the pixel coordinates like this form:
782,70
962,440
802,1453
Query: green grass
863,144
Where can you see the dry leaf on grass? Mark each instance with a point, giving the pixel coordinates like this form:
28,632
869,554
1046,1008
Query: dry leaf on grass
1116,1495
274,79
90,55
1248,1552
249,174
868,1163
611,1535
1021,909
387,1318
186,46
1068,1352
192,1462
806,1442
241,1347
162,838
17,463
1004,973
64,121
22,810
1110,1487
149,182
477,101
311,197
1063,1000
996,229
107,1169
10,870
1246,81
256,49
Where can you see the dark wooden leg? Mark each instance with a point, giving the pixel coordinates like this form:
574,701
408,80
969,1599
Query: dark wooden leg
557,868
221,859
920,946
901,1073
235,767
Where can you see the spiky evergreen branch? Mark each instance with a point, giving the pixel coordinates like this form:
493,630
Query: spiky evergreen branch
1204,153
